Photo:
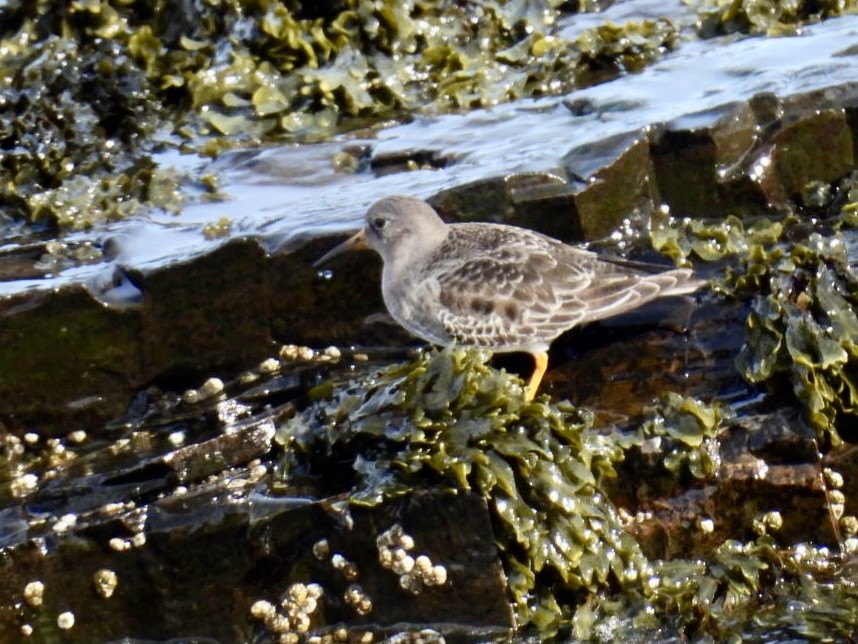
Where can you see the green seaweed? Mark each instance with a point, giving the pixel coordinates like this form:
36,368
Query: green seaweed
687,430
629,47
770,17
756,591
447,419
92,88
711,241
802,331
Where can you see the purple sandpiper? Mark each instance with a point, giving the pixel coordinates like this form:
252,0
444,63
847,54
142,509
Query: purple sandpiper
495,286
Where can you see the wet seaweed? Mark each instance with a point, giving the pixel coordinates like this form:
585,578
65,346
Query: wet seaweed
685,431
629,47
91,89
447,419
802,329
755,591
769,17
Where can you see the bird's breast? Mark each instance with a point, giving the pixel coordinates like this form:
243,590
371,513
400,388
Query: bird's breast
413,300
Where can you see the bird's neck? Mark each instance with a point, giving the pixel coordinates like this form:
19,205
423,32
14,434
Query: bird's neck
417,249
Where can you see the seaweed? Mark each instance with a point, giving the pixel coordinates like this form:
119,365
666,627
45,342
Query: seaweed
769,17
91,89
447,419
802,329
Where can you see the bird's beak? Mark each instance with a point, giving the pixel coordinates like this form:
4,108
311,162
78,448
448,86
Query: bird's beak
355,242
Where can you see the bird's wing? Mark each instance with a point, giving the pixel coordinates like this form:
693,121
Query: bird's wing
508,294
532,288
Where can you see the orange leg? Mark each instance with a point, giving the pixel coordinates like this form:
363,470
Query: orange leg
541,364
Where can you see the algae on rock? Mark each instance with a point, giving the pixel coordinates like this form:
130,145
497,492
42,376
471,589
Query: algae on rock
447,419
93,89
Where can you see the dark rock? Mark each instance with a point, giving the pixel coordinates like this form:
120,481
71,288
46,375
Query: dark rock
206,314
541,201
685,345
798,157
615,179
20,262
407,161
781,437
197,563
694,153
307,308
66,359
745,487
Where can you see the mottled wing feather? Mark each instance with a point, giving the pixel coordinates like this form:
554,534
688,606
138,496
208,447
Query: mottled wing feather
507,294
508,289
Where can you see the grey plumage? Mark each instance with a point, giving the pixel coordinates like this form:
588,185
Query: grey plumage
495,286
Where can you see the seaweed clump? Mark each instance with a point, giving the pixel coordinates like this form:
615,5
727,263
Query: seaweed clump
612,49
90,89
769,17
447,419
685,430
755,591
802,330
74,122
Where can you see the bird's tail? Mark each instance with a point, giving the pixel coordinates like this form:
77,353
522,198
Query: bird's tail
679,281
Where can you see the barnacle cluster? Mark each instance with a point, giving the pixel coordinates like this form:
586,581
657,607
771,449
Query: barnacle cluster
294,615
34,593
394,547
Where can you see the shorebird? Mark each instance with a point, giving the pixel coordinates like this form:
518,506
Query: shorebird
496,286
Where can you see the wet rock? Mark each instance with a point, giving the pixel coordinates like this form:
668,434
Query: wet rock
198,560
406,160
781,437
21,262
694,154
542,201
206,314
797,158
108,477
756,475
331,304
683,344
611,179
70,360
66,359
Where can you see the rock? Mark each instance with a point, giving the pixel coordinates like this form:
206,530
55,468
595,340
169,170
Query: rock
695,155
202,557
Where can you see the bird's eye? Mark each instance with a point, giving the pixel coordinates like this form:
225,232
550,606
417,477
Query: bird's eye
378,223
